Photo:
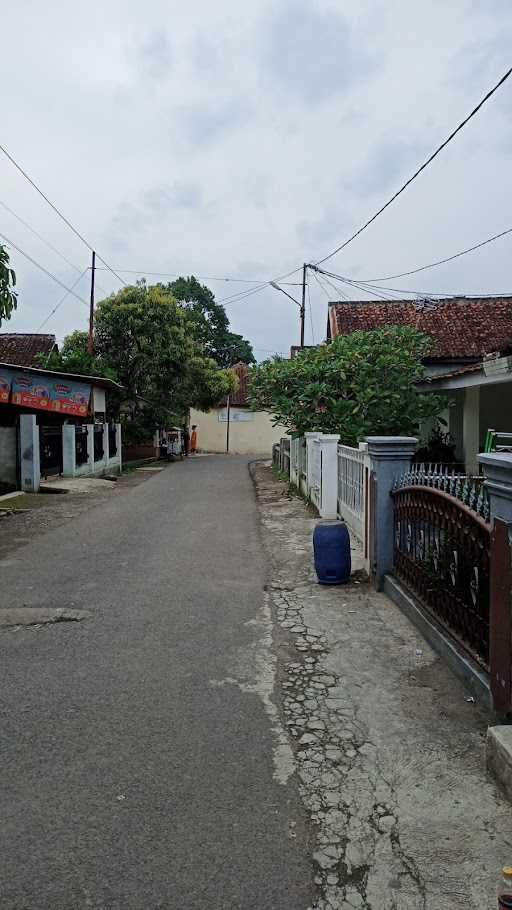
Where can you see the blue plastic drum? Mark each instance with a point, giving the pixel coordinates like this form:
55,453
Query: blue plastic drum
331,545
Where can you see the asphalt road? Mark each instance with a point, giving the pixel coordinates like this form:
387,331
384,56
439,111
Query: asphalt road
138,764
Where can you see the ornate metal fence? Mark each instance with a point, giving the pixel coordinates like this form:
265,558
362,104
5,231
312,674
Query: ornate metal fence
441,552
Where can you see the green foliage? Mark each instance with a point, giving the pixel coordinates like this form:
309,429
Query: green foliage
74,357
144,336
359,385
8,296
210,324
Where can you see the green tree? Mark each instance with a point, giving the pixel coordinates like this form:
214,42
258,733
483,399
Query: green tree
8,296
144,337
74,357
359,385
210,323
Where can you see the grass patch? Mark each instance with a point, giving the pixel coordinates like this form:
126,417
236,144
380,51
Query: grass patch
23,501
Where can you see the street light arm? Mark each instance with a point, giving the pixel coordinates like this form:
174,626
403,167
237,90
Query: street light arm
278,288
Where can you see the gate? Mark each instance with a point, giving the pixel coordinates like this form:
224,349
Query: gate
50,450
442,554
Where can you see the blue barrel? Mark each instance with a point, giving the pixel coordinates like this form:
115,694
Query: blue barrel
331,544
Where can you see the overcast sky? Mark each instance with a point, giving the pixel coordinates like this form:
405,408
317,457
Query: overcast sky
233,139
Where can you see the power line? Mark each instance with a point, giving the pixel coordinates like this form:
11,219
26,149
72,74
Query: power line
39,236
431,265
237,298
420,169
62,299
42,268
58,212
200,277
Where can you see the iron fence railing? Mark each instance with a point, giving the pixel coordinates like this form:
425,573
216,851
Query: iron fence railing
352,488
98,442
442,553
112,440
81,452
50,450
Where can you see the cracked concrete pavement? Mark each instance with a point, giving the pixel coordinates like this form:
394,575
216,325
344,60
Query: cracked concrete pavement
390,754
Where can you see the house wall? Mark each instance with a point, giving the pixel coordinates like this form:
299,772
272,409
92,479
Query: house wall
495,409
254,435
8,455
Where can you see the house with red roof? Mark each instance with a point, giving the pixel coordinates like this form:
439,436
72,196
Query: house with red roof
233,426
471,340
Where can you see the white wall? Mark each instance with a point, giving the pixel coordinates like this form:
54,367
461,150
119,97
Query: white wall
8,455
251,435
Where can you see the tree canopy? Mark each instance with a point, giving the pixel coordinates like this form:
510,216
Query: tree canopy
74,357
210,323
8,296
359,385
143,340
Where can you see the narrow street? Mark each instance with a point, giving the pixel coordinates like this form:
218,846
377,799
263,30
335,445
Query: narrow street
143,764
220,731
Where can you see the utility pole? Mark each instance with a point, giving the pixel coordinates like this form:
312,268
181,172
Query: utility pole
228,423
303,305
90,345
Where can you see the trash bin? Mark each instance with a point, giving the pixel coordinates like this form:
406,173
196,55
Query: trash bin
331,545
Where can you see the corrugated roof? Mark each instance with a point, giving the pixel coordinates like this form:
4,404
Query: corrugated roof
459,326
22,349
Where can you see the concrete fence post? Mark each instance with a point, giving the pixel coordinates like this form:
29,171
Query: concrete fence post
106,452
390,456
310,439
68,450
29,453
329,488
90,448
119,446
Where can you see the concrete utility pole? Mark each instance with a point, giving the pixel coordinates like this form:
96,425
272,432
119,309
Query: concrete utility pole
301,306
90,345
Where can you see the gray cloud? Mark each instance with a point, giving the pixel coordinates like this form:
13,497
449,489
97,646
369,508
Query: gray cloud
203,125
180,195
389,162
154,55
312,54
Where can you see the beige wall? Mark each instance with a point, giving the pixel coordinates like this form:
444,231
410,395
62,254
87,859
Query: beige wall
254,436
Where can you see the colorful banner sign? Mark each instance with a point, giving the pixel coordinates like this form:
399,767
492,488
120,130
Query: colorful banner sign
47,393
5,387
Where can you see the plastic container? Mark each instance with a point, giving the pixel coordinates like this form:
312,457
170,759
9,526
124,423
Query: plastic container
505,889
331,545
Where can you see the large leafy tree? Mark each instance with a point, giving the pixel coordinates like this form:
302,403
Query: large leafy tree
74,357
359,385
144,336
210,323
8,296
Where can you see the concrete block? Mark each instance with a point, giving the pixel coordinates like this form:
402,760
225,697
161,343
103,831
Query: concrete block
499,756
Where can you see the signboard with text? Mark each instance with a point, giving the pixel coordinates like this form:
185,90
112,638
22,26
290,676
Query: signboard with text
235,416
48,393
5,387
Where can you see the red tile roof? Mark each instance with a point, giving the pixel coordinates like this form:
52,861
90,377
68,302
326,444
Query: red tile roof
459,326
22,350
240,397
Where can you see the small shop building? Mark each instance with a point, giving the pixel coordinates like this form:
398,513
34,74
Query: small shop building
54,423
